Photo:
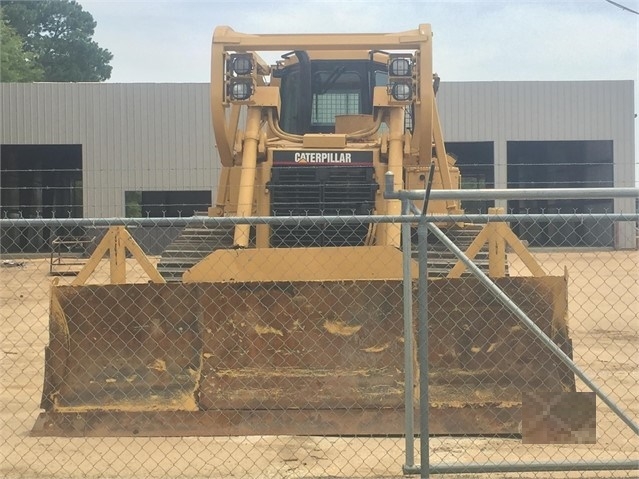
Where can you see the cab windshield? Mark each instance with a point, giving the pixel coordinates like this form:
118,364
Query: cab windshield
333,88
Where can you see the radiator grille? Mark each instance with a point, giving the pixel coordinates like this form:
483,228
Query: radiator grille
321,191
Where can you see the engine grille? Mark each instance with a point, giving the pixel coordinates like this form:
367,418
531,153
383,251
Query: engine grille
321,191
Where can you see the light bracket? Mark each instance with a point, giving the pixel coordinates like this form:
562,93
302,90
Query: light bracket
240,78
402,79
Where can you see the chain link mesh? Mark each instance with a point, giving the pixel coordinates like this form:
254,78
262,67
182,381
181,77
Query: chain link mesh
302,377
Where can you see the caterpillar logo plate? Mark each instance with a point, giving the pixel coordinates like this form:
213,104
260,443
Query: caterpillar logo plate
322,157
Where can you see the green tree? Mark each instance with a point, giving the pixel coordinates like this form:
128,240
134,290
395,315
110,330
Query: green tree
59,34
16,65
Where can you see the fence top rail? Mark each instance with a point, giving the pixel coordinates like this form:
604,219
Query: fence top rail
311,220
511,193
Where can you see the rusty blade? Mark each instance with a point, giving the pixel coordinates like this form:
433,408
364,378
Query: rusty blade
325,346
124,347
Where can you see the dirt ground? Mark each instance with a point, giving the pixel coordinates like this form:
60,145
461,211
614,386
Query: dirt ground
604,319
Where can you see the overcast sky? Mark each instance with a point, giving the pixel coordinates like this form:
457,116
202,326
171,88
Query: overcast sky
169,41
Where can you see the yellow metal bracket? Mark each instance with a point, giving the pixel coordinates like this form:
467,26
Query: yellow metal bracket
116,242
498,235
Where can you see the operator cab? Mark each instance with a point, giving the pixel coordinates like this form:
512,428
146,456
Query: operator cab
314,92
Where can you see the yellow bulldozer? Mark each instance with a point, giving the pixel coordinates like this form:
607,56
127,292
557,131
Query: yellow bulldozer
291,327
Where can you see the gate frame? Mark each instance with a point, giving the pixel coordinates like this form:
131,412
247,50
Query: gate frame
426,223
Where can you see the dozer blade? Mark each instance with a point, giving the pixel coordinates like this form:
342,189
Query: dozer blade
128,347
482,357
311,358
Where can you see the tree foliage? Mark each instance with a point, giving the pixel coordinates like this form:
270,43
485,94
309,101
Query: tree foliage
58,34
16,65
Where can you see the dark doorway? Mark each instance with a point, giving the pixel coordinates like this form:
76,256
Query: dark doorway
38,181
158,204
562,164
476,163
170,204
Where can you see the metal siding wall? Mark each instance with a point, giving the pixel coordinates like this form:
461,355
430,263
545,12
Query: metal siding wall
517,111
545,111
133,136
159,136
622,102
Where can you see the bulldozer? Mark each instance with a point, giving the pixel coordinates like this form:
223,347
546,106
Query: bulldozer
297,327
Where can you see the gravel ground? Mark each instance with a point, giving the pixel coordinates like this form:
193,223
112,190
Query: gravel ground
604,287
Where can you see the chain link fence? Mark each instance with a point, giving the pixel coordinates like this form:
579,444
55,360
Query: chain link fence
293,362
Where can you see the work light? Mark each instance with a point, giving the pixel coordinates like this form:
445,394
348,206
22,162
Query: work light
241,89
402,91
400,67
240,77
401,78
242,64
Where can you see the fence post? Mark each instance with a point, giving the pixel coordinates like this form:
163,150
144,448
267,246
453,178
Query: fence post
409,402
422,346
